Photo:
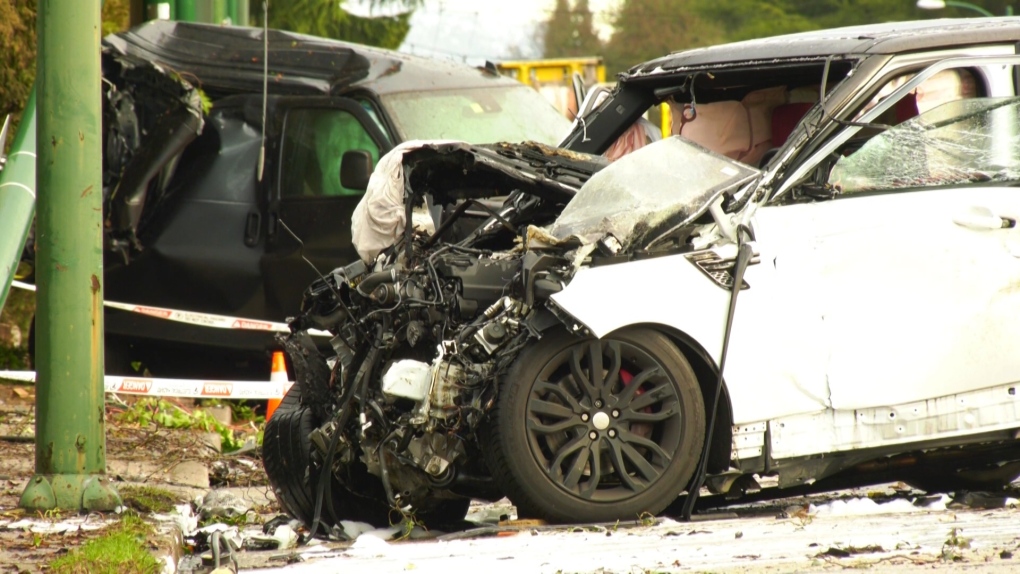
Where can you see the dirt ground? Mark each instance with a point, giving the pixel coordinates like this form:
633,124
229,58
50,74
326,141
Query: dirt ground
820,533
178,460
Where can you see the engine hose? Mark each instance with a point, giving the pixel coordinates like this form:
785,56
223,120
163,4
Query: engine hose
447,223
323,491
375,279
368,366
329,320
744,255
384,472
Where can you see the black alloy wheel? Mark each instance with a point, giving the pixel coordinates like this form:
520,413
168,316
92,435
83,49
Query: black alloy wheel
595,430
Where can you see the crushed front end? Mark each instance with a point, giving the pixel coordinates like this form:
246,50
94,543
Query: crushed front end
422,333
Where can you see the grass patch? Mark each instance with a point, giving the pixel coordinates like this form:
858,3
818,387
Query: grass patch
148,499
122,549
167,414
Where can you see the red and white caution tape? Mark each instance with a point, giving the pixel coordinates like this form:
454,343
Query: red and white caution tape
185,388
195,318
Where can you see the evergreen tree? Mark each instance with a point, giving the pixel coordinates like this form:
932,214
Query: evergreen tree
17,51
646,29
570,32
328,19
17,56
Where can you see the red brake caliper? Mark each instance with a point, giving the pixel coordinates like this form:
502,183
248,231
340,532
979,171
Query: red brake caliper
641,429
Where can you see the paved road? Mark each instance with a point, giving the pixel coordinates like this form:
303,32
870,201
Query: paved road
853,532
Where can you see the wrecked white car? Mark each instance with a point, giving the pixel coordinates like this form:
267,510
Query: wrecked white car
591,339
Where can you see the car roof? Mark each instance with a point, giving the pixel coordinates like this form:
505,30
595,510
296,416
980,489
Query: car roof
885,38
229,59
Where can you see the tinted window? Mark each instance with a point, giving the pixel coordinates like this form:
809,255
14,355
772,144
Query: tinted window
314,142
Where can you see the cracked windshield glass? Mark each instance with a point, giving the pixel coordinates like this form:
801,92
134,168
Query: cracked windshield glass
966,141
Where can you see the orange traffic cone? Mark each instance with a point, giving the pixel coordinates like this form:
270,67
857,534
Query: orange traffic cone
277,375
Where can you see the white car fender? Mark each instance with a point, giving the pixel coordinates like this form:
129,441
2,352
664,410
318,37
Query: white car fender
659,290
766,375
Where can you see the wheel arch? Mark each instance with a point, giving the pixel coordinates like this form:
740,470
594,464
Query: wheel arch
707,372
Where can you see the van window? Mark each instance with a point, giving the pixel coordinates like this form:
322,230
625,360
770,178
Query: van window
314,141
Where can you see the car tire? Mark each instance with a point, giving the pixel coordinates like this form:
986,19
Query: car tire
287,458
646,449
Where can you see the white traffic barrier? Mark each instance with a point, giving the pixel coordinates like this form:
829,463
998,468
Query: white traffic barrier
195,318
193,388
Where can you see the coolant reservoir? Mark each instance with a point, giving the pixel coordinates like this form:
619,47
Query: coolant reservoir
407,379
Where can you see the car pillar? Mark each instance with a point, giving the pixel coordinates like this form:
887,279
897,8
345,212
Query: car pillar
70,440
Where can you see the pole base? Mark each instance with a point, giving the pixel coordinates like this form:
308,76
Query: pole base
70,492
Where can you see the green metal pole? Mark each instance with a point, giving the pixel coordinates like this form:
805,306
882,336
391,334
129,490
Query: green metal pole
243,13
70,440
186,11
160,10
17,197
204,11
237,10
211,11
219,11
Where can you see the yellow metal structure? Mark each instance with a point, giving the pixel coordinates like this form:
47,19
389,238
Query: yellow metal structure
555,70
554,77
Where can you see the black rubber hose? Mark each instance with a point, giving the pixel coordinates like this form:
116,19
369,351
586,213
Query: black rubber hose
375,279
447,223
345,412
744,255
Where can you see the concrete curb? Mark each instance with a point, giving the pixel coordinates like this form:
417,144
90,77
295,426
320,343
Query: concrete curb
169,545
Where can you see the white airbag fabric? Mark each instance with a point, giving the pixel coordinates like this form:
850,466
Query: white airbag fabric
379,217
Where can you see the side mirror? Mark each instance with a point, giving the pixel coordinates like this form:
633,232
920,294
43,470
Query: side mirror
355,169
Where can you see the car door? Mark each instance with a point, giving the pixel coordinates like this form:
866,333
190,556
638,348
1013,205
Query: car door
308,198
914,270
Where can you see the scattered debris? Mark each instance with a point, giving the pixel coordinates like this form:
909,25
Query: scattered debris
222,504
848,551
862,506
279,537
983,500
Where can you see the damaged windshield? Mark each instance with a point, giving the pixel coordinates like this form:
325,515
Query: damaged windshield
966,141
479,115
646,193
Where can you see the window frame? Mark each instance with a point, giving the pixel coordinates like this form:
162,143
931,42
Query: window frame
975,64
348,105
